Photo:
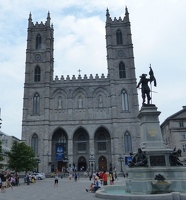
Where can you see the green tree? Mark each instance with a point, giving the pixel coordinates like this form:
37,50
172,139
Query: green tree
21,157
1,156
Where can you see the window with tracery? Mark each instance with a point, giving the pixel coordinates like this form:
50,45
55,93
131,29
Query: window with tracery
122,70
127,142
37,74
119,38
38,41
81,142
101,141
36,104
124,99
34,143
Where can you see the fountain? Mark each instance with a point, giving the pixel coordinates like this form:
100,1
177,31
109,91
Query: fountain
159,174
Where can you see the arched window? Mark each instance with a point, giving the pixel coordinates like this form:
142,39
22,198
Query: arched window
101,140
127,142
36,104
34,143
119,38
37,74
124,99
122,71
81,142
38,41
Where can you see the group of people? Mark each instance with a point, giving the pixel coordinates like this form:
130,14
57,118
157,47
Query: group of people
8,180
100,178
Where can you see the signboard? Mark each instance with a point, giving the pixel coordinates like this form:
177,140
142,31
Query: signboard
59,151
127,160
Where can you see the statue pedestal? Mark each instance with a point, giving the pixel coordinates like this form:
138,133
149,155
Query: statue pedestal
141,180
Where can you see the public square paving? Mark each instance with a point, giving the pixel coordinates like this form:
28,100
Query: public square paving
45,190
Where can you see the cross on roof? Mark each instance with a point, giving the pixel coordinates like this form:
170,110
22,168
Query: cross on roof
79,71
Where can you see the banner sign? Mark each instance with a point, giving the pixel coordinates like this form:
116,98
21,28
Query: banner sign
59,151
127,159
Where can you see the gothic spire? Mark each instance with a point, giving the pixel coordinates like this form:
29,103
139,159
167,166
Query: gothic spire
48,18
30,20
126,14
107,14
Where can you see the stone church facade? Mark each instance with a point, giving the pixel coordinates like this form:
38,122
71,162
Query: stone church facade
83,122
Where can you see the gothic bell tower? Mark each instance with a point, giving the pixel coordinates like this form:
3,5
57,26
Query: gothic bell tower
39,53
38,75
120,64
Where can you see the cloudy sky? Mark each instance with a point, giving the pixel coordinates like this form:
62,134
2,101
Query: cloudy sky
158,33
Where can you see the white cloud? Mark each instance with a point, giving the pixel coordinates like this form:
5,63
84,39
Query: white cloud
158,33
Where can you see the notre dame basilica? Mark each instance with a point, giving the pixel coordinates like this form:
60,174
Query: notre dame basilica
84,122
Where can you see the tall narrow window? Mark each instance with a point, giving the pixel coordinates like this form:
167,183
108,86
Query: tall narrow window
38,41
119,38
34,143
81,142
36,104
101,142
122,71
124,99
127,142
37,74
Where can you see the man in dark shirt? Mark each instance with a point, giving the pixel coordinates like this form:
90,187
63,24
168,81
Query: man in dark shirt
3,179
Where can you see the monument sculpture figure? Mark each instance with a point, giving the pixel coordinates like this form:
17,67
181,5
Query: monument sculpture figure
139,159
145,90
174,158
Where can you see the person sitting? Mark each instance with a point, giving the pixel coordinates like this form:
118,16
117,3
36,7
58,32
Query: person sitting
96,186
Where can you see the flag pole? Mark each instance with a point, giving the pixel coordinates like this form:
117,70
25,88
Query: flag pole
151,87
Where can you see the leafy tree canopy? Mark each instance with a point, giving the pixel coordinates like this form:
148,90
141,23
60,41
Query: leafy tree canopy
21,157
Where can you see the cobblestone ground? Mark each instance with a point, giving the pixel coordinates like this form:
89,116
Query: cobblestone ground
45,190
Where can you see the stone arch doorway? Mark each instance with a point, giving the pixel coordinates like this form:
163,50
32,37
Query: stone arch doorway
102,163
59,150
80,148
82,165
102,143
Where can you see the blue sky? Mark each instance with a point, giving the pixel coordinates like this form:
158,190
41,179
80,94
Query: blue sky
158,34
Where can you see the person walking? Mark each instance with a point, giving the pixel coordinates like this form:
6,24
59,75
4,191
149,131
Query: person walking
3,180
105,178
56,178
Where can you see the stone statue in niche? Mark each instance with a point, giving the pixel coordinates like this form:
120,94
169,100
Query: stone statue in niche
139,159
100,101
80,102
59,103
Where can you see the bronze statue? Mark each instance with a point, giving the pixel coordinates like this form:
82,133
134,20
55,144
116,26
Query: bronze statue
174,158
145,90
139,159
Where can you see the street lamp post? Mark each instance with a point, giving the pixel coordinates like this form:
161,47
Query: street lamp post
38,161
91,162
121,159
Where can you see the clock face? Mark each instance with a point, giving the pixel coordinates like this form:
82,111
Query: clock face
120,53
37,57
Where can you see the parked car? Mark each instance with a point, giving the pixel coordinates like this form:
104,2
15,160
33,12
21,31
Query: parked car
39,176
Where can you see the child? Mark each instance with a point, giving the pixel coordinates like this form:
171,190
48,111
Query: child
56,180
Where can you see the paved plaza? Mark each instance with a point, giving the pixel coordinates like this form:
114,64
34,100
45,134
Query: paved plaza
45,190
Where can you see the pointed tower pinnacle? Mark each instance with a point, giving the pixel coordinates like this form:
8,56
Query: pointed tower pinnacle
107,14
48,18
30,20
126,14
126,10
